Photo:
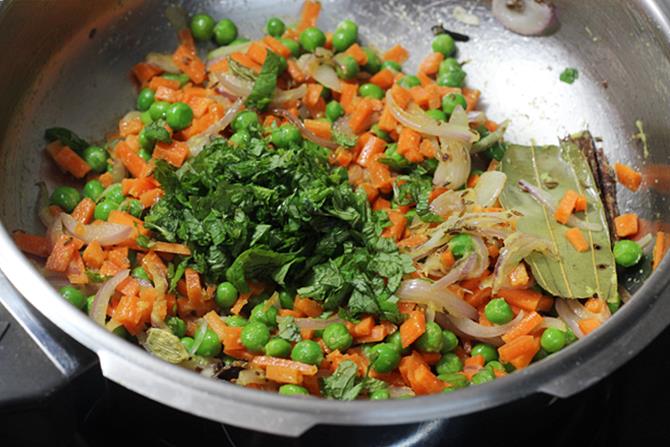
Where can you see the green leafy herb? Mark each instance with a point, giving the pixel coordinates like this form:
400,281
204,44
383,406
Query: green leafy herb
288,330
156,131
569,75
67,138
176,273
95,276
572,274
143,241
343,383
416,189
343,139
266,82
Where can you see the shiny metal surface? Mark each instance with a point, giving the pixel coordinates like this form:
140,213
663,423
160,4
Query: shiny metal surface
68,66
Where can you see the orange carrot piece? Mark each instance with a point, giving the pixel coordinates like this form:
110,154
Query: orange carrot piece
358,54
420,96
431,64
383,78
193,286
372,146
216,323
68,160
319,128
159,81
370,191
401,96
83,212
589,325
307,306
627,176
131,160
409,141
341,157
480,298
412,328
276,46
149,198
387,121
491,126
32,244
471,98
447,259
168,94
94,255
263,361
359,120
418,375
577,239
144,72
380,174
294,71
566,206
313,94
519,276
526,299
381,204
246,61
174,153
173,248
309,15
347,95
527,325
257,52
661,246
414,240
396,54
187,60
580,204
397,227
131,126
60,256
427,148
282,374
522,345
594,305
626,224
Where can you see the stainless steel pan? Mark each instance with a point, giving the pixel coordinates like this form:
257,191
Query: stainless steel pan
66,63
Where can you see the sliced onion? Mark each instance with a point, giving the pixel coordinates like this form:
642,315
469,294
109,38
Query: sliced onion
251,376
162,61
55,231
316,324
308,63
541,197
98,310
488,188
556,323
476,330
221,52
447,203
490,139
326,76
283,96
476,117
232,84
342,126
424,124
118,171
568,317
517,246
454,164
106,233
198,142
459,271
199,336
308,134
525,17
396,392
112,324
423,292
160,304
583,313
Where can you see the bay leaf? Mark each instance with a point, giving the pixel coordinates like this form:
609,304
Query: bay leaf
568,273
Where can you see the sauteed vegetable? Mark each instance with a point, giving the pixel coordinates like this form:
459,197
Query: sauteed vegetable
298,213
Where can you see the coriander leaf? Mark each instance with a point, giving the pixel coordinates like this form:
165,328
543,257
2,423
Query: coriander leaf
343,139
67,138
342,384
253,263
569,75
370,384
264,87
155,131
143,241
288,330
177,274
95,276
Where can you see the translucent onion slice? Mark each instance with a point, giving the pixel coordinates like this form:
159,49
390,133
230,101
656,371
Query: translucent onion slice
316,324
454,164
251,376
583,313
216,55
525,17
556,323
447,203
517,247
105,233
488,188
198,142
163,61
160,304
98,310
479,331
308,134
423,292
326,76
570,319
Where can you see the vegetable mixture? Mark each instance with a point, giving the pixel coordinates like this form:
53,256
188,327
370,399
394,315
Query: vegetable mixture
298,214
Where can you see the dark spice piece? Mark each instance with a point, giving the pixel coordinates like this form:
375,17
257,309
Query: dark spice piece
458,37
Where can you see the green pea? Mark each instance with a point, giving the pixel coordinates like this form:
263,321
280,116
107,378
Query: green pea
497,311
614,304
483,376
384,357
145,98
291,45
226,295
552,340
395,341
349,26
182,78
158,110
627,253
449,363
202,27
487,351
103,209
380,395
431,340
454,78
241,138
455,380
236,321
392,65
444,44
225,32
286,299
187,342
495,366
337,336
146,141
176,325
275,27
246,120
380,133
461,244
539,355
334,111
450,341
255,336
293,390
96,157
140,273
115,193
447,65
146,118
74,296
370,90
374,63
179,116
307,351
343,39
93,189
285,135
264,313
346,66
311,39
409,81
437,114
65,197
135,208
450,101
570,336
278,347
144,154
122,332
